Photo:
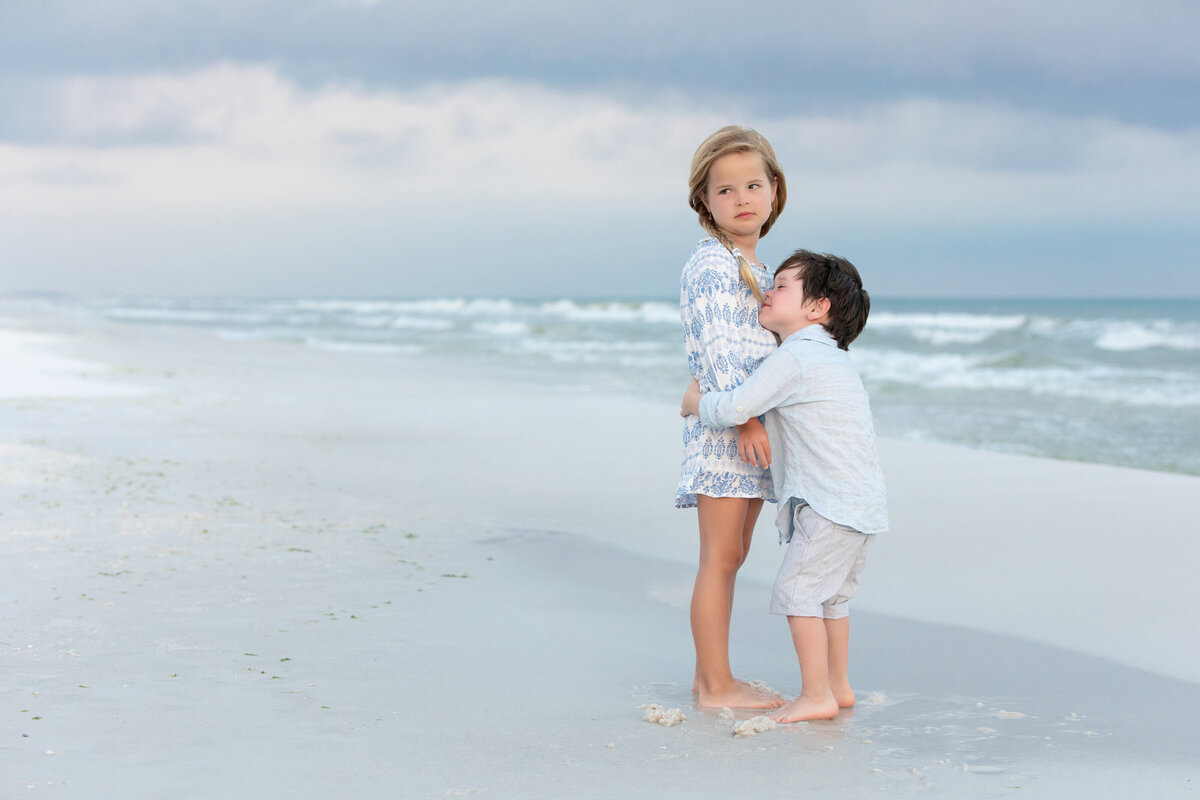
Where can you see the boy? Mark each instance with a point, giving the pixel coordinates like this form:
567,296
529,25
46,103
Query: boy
825,468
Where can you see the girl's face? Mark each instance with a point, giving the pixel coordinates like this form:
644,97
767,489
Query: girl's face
740,195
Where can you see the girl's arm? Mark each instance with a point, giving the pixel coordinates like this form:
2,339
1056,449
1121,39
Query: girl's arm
691,399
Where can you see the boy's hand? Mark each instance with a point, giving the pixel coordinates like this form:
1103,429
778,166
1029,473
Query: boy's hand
691,400
753,446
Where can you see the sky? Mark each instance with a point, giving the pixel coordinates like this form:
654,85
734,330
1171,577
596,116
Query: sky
379,148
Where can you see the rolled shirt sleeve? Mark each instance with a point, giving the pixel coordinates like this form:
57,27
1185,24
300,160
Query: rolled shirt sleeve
776,382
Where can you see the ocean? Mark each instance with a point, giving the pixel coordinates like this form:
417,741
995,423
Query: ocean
1105,381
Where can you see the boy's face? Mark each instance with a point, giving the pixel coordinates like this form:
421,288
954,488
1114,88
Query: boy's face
785,309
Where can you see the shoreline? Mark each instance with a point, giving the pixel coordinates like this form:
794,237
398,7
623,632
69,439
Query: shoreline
314,574
987,530
1074,380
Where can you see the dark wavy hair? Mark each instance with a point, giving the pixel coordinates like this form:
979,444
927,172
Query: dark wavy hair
836,278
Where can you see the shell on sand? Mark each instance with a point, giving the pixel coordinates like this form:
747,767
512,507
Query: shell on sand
754,726
663,716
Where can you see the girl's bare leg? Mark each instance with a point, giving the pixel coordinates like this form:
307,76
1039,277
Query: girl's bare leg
752,511
713,506
726,528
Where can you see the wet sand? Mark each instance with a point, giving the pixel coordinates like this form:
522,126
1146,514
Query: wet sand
257,570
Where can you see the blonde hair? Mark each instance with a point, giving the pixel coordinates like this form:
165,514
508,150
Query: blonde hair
734,139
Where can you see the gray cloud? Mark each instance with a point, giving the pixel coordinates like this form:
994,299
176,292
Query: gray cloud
347,147
1132,61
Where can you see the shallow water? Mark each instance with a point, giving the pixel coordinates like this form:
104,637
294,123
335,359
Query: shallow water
1085,380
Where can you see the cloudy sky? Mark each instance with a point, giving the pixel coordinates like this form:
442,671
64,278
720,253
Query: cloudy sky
510,147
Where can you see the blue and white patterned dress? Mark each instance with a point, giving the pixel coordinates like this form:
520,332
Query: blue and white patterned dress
724,344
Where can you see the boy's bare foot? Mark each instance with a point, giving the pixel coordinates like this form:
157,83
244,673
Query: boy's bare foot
738,694
805,708
844,696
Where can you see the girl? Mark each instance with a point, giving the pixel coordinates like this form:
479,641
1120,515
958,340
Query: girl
738,190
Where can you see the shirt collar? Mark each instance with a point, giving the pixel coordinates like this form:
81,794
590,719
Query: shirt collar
813,333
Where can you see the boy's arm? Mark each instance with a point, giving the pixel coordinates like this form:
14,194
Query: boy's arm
775,383
753,444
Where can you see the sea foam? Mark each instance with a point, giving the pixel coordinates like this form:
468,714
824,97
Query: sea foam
33,368
1049,377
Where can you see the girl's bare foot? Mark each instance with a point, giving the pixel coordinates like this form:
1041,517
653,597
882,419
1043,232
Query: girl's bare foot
755,686
805,708
844,696
738,694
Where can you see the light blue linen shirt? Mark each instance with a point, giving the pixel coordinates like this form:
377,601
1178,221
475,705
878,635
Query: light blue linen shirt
818,420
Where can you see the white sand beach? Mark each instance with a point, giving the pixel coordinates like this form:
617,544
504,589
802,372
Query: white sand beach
255,570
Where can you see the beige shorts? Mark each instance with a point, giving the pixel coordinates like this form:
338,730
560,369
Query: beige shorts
820,569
